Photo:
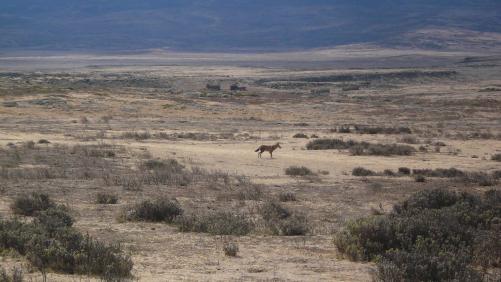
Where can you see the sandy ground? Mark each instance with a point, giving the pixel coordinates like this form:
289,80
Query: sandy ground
436,108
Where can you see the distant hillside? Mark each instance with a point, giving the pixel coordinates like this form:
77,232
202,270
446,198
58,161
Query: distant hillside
209,25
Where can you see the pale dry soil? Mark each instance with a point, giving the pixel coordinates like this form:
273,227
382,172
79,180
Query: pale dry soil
435,108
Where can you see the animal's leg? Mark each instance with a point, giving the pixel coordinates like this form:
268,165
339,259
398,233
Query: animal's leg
271,154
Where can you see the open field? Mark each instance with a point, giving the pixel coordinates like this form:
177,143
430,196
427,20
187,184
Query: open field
107,118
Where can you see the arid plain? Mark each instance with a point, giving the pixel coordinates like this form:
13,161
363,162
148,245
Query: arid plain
96,120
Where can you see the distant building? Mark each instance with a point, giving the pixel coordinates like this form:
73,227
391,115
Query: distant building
213,87
236,87
321,91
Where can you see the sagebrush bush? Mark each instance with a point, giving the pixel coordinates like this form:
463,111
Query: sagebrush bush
106,198
230,249
419,178
439,172
298,171
287,197
51,243
15,276
496,157
432,236
280,221
404,170
216,223
360,171
29,204
162,209
361,148
300,135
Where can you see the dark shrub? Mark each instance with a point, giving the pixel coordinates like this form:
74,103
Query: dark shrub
404,170
417,266
287,197
388,172
294,225
481,178
230,249
314,136
435,235
496,174
43,141
298,171
273,210
419,178
382,150
439,172
409,139
159,210
50,243
170,164
106,199
327,144
361,148
280,221
383,130
427,199
216,223
29,204
496,157
55,218
16,276
360,171
300,135
344,129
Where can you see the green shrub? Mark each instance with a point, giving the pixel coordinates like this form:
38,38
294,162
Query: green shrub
106,199
382,150
55,218
30,204
298,171
360,171
328,144
361,148
439,172
159,210
50,243
280,221
216,223
435,235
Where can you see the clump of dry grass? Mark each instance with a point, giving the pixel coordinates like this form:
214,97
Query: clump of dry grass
298,171
283,222
496,157
104,198
287,197
230,249
160,210
216,223
361,148
30,204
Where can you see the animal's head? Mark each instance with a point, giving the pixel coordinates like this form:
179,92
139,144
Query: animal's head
278,145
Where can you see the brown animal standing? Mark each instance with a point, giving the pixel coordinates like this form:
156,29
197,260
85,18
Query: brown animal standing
264,148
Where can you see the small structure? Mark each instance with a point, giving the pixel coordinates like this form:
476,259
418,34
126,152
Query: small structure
213,87
236,87
321,91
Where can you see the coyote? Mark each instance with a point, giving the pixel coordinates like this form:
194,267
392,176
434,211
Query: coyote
264,148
